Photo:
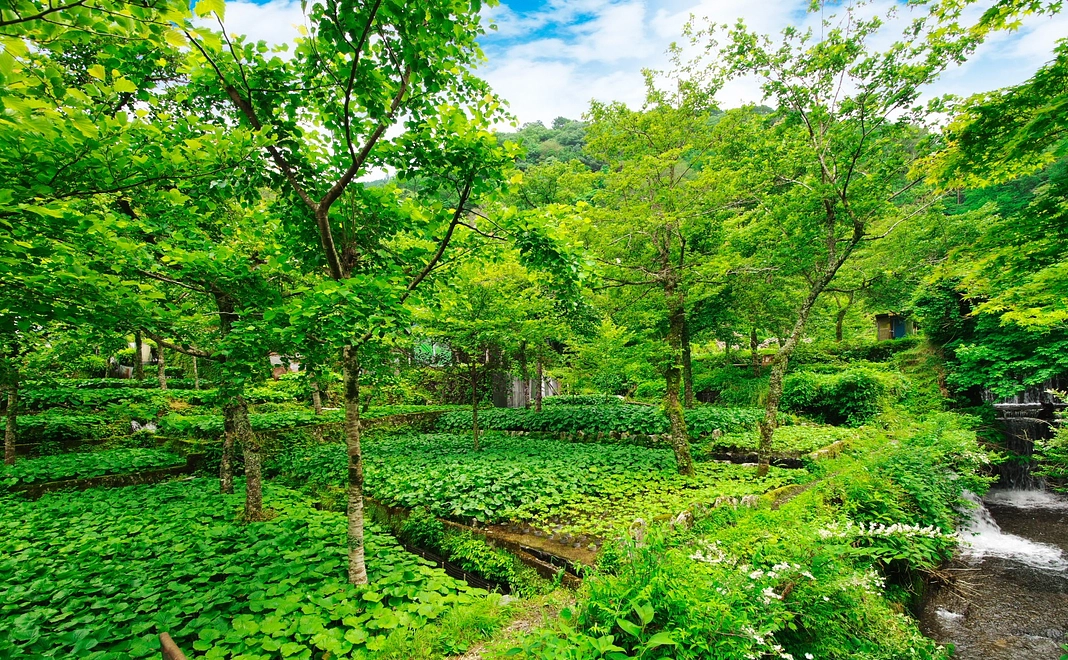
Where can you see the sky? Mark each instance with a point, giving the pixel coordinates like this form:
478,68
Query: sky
549,58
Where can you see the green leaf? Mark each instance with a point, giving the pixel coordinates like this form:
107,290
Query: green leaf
125,86
660,639
206,7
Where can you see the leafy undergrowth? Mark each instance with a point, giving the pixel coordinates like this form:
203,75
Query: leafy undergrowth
604,419
99,574
212,425
826,575
788,440
85,465
576,488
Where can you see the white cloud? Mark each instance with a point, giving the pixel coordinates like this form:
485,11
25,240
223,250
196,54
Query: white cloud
274,22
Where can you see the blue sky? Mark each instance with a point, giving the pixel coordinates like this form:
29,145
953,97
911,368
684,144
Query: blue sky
548,58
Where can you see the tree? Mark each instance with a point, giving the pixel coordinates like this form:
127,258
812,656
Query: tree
1016,270
654,222
482,306
833,173
363,69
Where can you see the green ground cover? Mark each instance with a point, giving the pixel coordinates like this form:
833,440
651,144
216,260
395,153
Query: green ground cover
212,425
84,465
583,488
604,418
99,574
789,440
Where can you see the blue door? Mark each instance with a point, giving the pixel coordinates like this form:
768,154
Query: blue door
898,328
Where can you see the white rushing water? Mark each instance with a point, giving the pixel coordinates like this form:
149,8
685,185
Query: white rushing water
982,537
1026,499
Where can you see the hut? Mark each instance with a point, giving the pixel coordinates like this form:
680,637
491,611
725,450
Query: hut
893,326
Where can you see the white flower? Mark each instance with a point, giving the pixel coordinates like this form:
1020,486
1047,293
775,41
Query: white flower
809,656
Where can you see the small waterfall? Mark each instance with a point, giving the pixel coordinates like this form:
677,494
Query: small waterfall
1008,597
982,537
1028,416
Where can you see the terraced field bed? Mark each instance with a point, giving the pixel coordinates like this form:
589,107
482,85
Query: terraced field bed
581,490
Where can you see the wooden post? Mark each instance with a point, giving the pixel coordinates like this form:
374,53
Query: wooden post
170,649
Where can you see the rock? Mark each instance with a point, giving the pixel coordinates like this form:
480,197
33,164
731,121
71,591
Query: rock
725,500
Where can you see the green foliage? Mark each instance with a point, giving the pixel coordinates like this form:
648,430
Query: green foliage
851,396
84,465
110,383
601,419
174,559
452,634
473,554
1053,453
731,386
562,142
209,426
60,427
806,579
703,420
917,481
790,440
582,400
578,488
422,529
982,352
89,399
824,353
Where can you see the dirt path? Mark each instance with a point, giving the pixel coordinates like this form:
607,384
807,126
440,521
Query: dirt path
527,617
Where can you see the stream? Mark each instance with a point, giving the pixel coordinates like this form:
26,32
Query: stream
1009,598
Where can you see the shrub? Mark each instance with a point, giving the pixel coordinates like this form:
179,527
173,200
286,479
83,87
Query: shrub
650,389
850,397
732,386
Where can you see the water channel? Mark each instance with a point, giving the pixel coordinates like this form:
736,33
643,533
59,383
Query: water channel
1007,598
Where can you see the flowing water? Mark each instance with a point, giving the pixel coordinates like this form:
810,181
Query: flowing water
1009,598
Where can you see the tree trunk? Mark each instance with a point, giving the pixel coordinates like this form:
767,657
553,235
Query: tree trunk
524,377
317,399
754,346
539,378
680,442
161,367
138,367
317,404
196,375
250,451
687,364
226,464
775,383
839,320
474,403
11,425
357,562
